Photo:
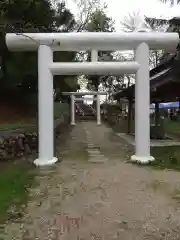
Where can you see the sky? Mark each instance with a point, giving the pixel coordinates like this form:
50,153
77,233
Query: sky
118,9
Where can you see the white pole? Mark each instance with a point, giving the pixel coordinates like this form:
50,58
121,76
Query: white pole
94,55
94,68
103,41
98,110
45,107
94,58
142,104
72,110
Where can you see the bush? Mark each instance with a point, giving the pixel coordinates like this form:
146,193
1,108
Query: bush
17,146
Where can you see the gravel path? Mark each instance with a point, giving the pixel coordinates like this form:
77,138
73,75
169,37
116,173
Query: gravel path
80,200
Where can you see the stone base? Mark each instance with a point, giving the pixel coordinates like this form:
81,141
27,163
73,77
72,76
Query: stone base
142,160
45,162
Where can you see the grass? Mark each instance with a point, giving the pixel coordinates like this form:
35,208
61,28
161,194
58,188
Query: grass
172,128
21,124
166,157
14,183
14,126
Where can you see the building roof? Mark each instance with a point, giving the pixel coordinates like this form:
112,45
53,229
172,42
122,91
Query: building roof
164,83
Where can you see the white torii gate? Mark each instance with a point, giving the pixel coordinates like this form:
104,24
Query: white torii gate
46,43
73,99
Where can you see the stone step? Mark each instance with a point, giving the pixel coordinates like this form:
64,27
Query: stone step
97,159
91,146
86,117
92,151
100,158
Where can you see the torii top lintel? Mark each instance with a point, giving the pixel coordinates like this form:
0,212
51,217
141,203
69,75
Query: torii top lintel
102,41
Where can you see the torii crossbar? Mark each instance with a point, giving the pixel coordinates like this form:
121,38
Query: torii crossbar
73,99
46,43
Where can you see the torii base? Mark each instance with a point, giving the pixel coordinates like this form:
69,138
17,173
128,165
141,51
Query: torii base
45,162
142,160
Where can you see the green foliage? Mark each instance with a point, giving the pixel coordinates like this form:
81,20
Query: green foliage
19,70
99,22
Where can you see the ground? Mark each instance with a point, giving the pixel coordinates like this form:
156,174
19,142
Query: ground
77,199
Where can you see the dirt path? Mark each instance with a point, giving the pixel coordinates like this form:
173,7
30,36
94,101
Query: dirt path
80,200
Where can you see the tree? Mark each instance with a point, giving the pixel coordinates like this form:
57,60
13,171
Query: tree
163,22
99,22
85,8
158,24
20,69
135,22
172,2
172,25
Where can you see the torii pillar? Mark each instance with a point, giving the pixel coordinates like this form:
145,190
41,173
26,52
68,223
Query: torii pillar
94,58
72,110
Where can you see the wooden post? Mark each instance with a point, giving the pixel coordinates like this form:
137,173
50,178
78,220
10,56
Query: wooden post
129,118
157,113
